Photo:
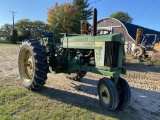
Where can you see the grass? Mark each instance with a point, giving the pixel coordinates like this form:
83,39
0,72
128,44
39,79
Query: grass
17,103
157,62
6,43
130,58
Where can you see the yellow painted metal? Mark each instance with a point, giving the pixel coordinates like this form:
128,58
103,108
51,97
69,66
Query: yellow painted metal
104,94
138,36
26,65
98,44
156,47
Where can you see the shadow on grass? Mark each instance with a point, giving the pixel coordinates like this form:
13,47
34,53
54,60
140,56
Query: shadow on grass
131,112
84,102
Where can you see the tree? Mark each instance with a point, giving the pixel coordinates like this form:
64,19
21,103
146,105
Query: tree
24,28
67,17
14,37
60,17
82,9
37,27
6,30
122,16
29,29
83,12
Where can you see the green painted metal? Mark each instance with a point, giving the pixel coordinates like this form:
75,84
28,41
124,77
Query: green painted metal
114,73
102,70
120,56
88,42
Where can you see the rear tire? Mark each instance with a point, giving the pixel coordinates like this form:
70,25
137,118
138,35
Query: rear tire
32,64
124,93
108,94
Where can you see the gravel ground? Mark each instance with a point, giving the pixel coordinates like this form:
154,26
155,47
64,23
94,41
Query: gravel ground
144,81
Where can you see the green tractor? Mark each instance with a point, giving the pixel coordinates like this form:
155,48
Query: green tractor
75,55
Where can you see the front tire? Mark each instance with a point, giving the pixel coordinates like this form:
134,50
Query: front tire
32,64
108,94
124,93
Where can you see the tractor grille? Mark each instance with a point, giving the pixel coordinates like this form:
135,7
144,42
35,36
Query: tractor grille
111,54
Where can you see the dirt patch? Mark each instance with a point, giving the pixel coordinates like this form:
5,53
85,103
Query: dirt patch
143,80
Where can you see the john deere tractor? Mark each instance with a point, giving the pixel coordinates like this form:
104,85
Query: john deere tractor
75,55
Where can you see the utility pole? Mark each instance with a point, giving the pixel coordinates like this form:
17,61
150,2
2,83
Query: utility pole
13,17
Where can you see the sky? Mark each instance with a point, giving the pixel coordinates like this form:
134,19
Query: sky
145,13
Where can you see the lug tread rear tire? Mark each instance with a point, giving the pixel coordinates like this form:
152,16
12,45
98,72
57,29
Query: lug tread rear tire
40,64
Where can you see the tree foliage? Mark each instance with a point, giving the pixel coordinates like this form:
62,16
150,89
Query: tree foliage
67,16
5,30
83,13
37,27
29,29
60,17
24,28
122,16
82,9
14,37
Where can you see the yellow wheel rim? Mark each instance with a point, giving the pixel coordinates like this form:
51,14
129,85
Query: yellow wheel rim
26,65
104,94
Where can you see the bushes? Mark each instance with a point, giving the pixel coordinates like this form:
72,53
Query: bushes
14,37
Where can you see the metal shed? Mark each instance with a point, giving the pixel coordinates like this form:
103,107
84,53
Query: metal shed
129,30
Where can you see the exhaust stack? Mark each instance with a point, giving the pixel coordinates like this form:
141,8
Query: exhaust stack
94,22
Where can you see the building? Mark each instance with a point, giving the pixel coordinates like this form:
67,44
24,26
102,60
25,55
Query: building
129,30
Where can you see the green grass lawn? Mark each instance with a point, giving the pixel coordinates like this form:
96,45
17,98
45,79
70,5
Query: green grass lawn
18,103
